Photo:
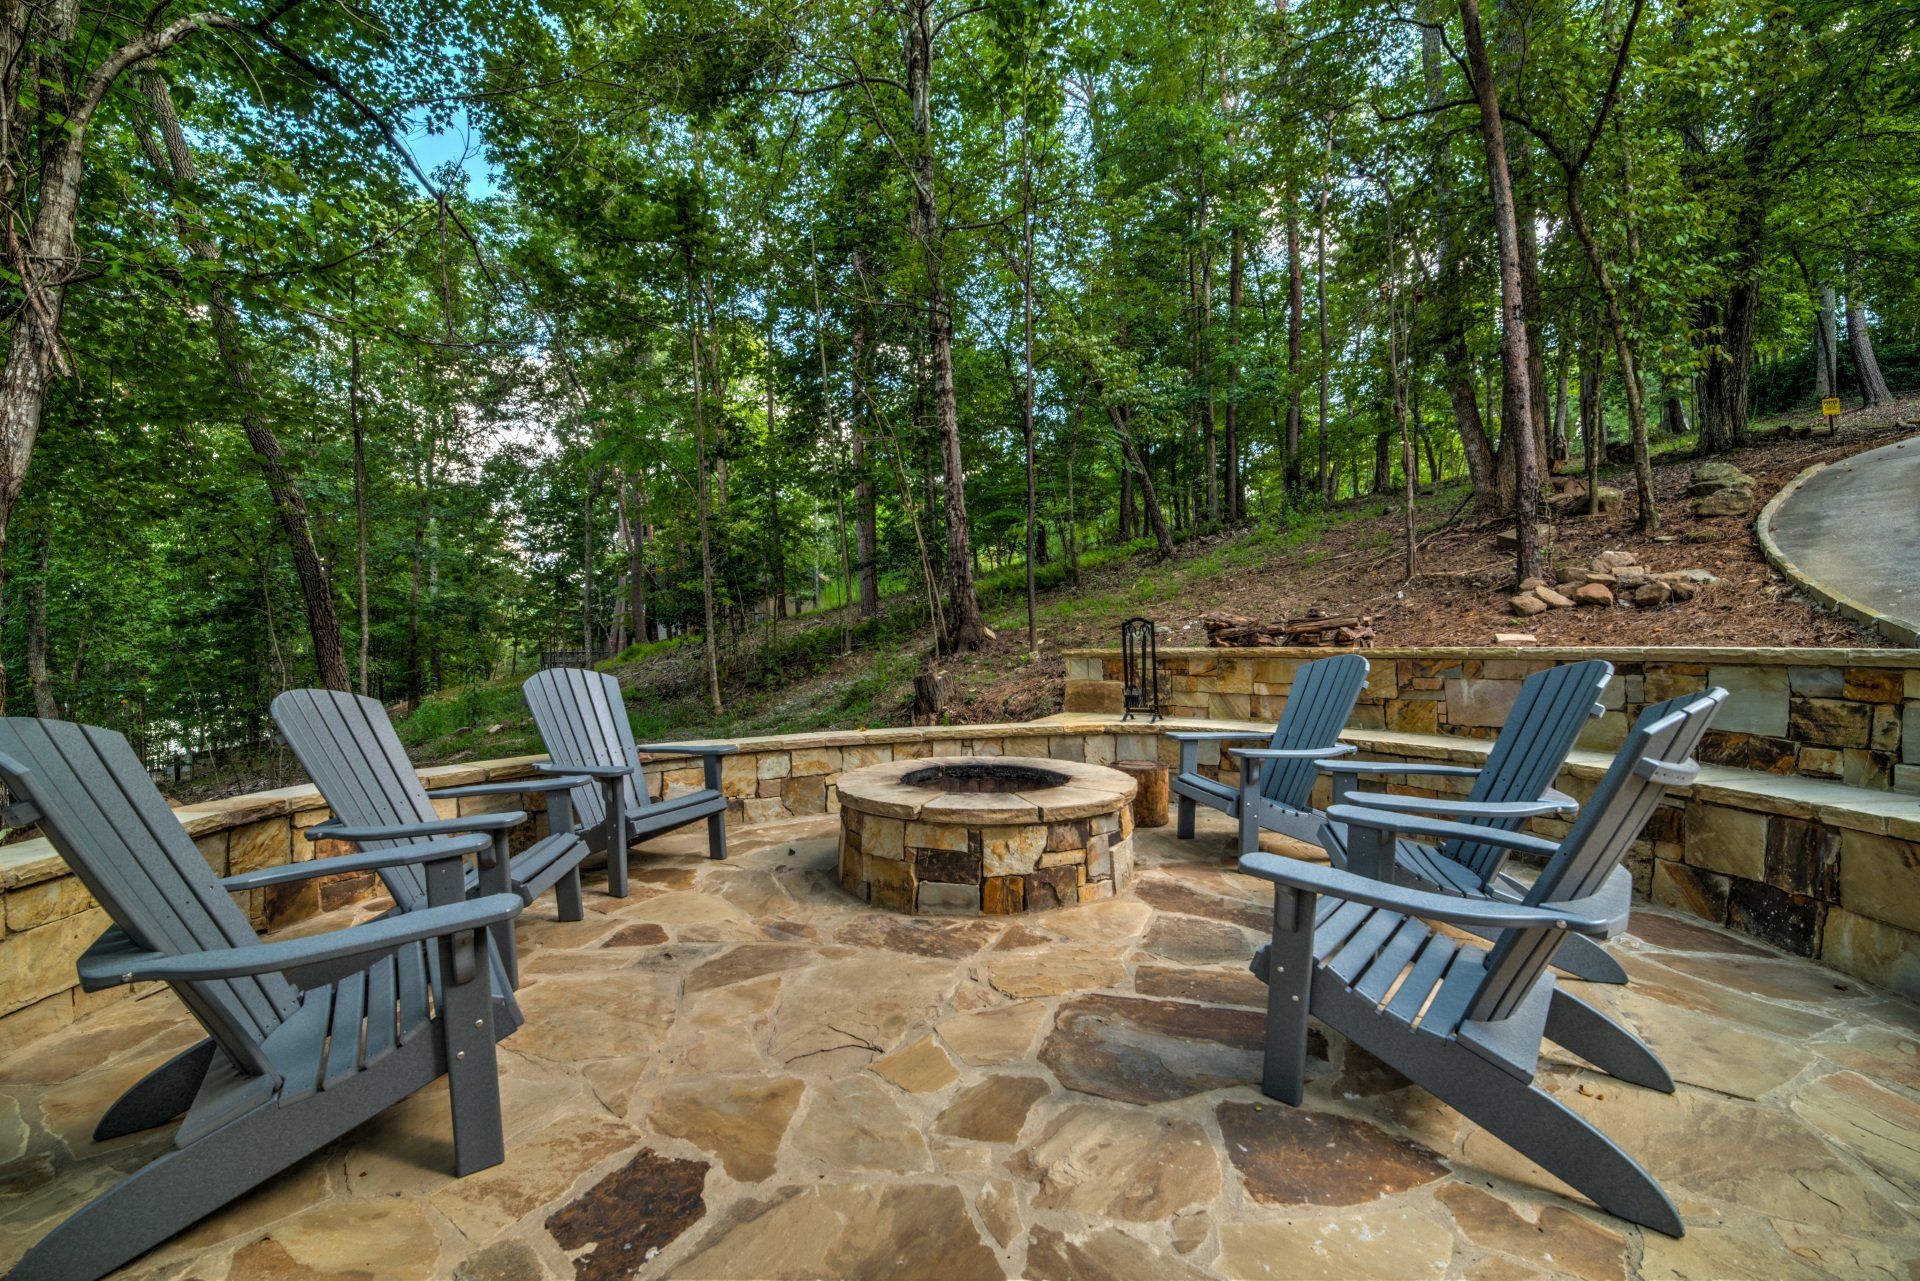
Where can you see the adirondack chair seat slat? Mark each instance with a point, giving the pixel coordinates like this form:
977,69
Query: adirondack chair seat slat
582,719
1391,961
288,1066
1430,963
1273,792
1209,792
1466,1020
678,810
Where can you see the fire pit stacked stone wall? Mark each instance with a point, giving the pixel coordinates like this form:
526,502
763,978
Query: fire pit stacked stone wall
994,835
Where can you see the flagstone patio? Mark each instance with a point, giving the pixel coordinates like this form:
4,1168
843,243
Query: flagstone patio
743,1072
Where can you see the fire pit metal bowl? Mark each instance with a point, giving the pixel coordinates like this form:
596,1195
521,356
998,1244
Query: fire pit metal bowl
966,835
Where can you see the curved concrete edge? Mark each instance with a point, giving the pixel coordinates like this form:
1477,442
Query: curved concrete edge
1888,628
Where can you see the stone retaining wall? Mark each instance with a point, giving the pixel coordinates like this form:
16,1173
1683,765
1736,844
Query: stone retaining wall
1813,866
1851,715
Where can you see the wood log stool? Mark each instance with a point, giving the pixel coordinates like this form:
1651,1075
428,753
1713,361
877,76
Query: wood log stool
1150,802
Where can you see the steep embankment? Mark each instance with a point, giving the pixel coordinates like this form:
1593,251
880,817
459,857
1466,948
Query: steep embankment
1347,560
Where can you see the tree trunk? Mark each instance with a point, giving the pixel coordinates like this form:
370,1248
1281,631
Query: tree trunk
1828,334
1123,428
1035,549
1823,352
637,569
1593,423
1296,280
1673,416
1524,223
1732,321
1516,406
359,504
44,703
1203,356
967,630
866,528
1559,442
323,620
1647,515
1320,309
1483,471
700,489
1873,385
1236,263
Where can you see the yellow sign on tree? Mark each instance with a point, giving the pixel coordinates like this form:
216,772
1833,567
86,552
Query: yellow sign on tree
1830,406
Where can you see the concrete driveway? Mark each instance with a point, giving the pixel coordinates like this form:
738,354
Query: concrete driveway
1853,529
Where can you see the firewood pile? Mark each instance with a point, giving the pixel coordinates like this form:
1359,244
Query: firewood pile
1236,631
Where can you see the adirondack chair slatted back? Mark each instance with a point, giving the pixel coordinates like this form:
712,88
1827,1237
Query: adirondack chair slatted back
583,721
349,749
1317,707
113,828
1552,708
1622,803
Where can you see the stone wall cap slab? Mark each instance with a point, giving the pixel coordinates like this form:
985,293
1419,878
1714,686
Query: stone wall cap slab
976,809
30,862
1076,801
1087,790
1768,655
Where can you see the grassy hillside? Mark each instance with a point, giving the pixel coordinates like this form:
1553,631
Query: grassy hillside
1349,558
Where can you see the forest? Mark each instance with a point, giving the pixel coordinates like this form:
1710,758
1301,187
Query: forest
387,345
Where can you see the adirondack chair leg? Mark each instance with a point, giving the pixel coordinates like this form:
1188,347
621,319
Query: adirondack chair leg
161,1198
1585,958
159,1096
1289,979
717,835
616,838
1184,823
1567,1145
473,1079
1599,1040
568,898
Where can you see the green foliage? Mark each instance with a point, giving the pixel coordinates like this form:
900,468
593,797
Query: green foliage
657,178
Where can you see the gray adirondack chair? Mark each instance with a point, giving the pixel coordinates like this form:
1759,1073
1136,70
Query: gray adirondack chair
350,751
1275,780
583,721
1462,1021
306,1038
1515,785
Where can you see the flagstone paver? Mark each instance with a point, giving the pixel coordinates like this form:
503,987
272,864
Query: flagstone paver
743,1072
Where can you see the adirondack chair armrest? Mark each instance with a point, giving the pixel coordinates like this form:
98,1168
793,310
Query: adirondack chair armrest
1444,829
585,772
499,821
1581,916
1190,740
1253,760
710,754
1215,735
1291,753
1347,774
1330,766
1558,805
509,788
366,861
115,959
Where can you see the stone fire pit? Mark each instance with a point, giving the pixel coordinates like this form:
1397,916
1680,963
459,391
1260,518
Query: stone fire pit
964,835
